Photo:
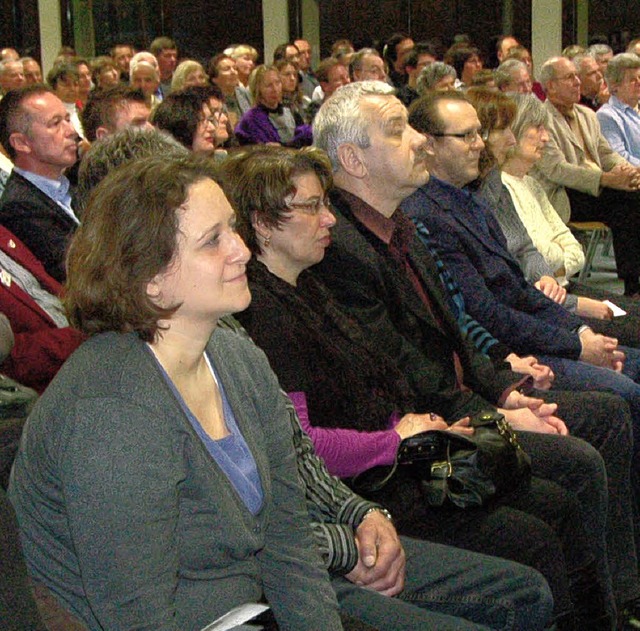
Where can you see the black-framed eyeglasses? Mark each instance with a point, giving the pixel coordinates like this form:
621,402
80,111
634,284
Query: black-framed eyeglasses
469,137
311,208
215,117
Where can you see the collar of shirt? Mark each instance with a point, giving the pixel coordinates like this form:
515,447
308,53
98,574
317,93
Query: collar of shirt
381,226
57,190
615,102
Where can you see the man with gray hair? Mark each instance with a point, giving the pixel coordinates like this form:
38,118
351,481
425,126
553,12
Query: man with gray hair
388,281
513,75
602,53
583,177
11,76
32,70
619,118
593,90
36,205
437,76
166,52
367,65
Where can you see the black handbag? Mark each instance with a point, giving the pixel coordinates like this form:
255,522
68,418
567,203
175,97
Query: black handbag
466,470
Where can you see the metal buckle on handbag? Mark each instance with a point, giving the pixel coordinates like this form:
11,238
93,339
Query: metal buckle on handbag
442,469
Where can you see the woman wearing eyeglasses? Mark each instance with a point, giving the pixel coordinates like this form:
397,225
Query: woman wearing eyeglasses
195,117
156,488
351,398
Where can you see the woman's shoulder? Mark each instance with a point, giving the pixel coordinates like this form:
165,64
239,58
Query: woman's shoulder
106,365
110,386
233,347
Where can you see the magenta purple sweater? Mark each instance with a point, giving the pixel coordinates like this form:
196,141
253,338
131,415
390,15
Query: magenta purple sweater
347,452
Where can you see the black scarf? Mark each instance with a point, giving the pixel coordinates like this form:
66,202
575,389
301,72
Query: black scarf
314,347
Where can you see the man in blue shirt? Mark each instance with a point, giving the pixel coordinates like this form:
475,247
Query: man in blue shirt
36,131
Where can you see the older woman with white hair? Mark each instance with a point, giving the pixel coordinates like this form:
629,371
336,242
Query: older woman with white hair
536,235
620,117
437,76
144,75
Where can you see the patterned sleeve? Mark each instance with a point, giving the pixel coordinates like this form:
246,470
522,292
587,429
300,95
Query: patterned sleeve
334,509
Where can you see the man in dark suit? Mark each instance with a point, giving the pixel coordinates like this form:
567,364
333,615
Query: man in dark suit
474,250
36,204
380,272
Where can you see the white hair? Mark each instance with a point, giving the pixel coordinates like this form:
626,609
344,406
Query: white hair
143,55
504,72
341,120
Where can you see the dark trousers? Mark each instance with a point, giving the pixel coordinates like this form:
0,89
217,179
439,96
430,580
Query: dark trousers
540,527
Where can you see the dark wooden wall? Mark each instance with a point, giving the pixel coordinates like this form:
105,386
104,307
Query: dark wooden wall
436,20
202,27
19,26
370,21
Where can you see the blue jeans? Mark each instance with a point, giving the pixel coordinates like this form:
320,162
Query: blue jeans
580,376
453,590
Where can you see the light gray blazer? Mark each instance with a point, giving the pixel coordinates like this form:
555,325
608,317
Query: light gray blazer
563,161
127,518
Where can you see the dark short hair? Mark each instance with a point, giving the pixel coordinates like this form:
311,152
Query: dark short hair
389,52
61,71
13,117
99,64
258,179
322,71
212,68
426,47
102,105
120,45
161,43
180,112
280,52
127,237
424,115
457,56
